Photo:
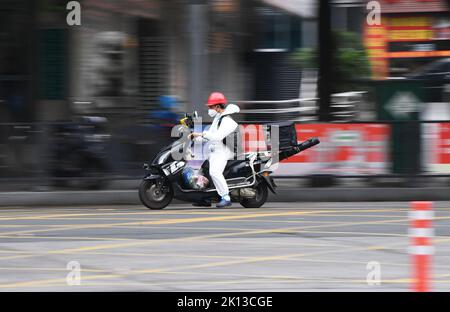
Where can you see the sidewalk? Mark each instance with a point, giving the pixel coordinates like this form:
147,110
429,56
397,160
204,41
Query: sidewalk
289,190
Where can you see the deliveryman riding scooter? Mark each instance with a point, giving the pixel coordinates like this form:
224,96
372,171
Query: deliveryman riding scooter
245,179
222,126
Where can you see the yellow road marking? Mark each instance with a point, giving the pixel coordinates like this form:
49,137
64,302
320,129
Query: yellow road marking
214,264
171,212
142,243
68,238
166,221
186,267
257,259
197,266
221,235
69,216
248,279
240,282
174,221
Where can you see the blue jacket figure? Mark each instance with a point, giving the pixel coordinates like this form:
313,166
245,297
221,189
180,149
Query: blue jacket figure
166,116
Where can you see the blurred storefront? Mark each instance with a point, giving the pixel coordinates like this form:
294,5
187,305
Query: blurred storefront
118,63
50,70
16,60
412,33
128,53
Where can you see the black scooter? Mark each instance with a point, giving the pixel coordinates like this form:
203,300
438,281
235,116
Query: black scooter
78,155
248,177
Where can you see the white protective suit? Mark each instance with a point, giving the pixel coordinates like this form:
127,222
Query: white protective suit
220,153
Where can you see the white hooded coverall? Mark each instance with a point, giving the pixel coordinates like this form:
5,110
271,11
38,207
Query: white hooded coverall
220,153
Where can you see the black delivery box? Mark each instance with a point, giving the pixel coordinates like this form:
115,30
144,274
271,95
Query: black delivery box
286,133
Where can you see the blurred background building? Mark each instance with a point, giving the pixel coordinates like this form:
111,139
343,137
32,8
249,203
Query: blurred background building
411,35
127,54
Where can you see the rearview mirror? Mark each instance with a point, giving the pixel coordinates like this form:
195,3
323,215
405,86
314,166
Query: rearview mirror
195,114
177,131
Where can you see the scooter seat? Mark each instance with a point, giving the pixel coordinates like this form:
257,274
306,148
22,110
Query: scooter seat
231,164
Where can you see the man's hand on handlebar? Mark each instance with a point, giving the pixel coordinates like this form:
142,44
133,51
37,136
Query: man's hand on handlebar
193,135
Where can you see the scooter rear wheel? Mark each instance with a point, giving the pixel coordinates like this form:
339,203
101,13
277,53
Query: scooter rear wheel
153,197
260,199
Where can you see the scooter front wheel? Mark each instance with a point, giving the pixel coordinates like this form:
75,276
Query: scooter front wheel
155,196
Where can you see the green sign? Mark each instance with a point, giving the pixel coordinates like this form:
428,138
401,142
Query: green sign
399,99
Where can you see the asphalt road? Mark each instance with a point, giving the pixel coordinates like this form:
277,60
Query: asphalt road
280,247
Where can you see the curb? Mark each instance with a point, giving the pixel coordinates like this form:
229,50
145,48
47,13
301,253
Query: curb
130,197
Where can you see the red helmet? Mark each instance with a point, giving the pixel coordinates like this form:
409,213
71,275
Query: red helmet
216,98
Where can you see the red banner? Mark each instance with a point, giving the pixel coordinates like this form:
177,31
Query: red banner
436,147
344,149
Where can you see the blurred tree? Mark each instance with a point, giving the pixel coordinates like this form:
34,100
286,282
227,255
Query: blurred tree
350,61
